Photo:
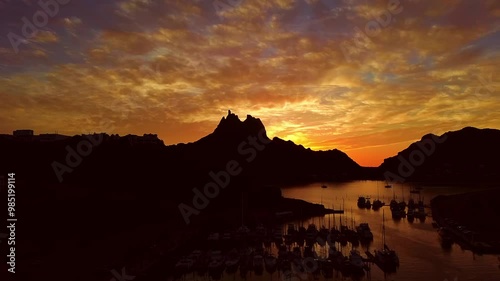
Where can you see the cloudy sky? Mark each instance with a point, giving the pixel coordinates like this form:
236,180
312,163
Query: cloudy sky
365,76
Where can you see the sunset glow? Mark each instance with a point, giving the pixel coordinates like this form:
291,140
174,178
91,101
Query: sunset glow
365,77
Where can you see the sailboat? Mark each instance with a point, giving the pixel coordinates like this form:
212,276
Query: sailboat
356,263
415,190
377,204
402,204
270,262
386,258
387,185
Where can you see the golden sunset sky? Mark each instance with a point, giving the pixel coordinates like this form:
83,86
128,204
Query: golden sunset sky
366,77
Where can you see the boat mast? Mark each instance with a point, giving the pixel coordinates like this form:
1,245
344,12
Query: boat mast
333,207
403,191
378,193
352,219
383,229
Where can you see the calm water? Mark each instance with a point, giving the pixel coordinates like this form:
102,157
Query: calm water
417,244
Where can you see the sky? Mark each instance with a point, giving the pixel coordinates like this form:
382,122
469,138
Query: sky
367,77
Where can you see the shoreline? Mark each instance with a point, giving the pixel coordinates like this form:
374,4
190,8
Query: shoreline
471,218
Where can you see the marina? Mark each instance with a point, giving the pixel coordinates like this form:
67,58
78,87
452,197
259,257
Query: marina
359,244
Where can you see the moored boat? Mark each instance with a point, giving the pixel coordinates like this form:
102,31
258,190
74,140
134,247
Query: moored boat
232,261
364,232
368,203
258,264
361,201
356,263
386,259
271,263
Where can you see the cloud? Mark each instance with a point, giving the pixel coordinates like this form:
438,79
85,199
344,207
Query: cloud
177,66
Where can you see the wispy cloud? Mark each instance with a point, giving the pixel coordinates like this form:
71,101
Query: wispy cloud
174,67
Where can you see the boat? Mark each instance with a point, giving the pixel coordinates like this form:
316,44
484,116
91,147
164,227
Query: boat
445,236
356,263
271,263
258,264
327,268
402,204
201,265
330,240
394,204
364,232
216,261
278,236
411,204
387,185
368,204
184,265
377,204
336,257
309,252
398,214
421,213
245,263
232,261
410,215
296,253
386,259
324,186
311,233
361,201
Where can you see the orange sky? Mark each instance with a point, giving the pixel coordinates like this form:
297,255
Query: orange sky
175,67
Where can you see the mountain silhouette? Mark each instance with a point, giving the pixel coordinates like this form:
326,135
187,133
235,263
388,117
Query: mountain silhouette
123,162
466,155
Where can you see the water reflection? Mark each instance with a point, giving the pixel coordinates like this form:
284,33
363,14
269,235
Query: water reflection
333,248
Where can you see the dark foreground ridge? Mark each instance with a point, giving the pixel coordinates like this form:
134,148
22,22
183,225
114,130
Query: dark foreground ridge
469,155
470,218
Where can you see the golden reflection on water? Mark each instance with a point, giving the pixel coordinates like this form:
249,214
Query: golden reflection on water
417,244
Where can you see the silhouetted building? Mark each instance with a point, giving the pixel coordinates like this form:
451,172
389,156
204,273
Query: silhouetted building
23,133
146,139
50,137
